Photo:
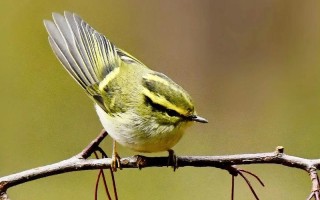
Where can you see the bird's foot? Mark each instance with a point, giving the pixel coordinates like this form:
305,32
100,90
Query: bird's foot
115,162
172,160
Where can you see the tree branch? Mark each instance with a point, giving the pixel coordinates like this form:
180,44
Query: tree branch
79,163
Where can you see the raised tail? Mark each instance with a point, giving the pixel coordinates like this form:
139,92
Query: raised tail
86,54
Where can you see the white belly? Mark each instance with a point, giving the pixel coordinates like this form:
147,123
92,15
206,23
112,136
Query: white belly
140,135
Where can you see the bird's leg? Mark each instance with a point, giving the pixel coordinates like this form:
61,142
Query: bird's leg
115,163
172,159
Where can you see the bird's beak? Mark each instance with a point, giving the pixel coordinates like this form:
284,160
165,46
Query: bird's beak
198,119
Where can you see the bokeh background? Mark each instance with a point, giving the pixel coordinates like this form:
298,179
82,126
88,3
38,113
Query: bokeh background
252,67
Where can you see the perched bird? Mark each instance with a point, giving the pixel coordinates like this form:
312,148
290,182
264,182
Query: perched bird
141,109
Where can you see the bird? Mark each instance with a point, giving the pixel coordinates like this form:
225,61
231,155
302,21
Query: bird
141,109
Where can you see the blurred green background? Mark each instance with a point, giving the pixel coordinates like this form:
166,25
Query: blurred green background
252,67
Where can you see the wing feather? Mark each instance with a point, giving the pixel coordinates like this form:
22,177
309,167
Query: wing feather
85,53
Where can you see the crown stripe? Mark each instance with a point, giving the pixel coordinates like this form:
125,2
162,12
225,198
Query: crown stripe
161,100
161,78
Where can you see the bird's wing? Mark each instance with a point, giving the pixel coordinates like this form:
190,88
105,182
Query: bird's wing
86,54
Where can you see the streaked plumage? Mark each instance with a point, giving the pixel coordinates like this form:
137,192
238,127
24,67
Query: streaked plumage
140,108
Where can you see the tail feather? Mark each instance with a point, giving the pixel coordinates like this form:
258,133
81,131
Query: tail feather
74,22
86,54
64,59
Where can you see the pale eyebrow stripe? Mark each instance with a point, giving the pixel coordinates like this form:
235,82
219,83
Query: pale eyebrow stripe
161,100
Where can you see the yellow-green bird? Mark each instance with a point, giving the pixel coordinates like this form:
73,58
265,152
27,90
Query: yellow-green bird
141,109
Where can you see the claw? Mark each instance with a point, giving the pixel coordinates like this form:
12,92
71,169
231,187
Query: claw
172,160
115,162
141,161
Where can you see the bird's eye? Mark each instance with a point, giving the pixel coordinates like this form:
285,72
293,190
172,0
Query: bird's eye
172,113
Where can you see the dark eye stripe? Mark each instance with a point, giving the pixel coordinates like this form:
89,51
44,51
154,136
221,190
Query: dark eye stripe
160,85
161,108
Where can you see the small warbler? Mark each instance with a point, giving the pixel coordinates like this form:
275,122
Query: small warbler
141,109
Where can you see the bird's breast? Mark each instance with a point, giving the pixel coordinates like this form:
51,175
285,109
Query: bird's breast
133,131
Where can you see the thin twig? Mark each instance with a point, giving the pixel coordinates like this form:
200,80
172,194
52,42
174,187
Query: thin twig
94,144
114,184
254,175
104,155
4,196
101,173
249,184
96,187
234,171
232,187
315,184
